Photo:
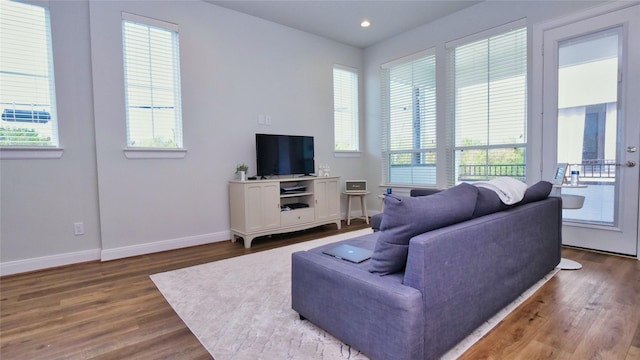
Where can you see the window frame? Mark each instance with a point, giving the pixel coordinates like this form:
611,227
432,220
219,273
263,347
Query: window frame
52,150
353,114
452,170
419,152
132,151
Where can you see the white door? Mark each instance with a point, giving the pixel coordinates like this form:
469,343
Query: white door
591,120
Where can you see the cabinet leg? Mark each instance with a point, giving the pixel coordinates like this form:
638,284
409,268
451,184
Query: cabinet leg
247,241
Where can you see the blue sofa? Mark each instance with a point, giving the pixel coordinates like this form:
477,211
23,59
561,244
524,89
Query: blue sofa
454,278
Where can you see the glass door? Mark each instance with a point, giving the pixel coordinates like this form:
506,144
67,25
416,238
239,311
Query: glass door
590,112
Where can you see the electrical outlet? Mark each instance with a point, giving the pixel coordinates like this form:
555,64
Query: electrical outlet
78,228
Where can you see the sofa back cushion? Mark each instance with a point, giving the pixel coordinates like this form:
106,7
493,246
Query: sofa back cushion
489,202
405,217
423,192
536,192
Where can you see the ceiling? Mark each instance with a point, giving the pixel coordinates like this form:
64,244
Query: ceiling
340,20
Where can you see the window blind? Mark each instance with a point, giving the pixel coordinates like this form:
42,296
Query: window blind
488,83
409,121
27,93
345,109
152,83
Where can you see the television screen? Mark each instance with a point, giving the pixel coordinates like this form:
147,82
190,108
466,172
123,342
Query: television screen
284,155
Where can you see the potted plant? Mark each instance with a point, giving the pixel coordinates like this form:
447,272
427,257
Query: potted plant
242,170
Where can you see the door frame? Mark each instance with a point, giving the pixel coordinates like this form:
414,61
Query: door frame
536,152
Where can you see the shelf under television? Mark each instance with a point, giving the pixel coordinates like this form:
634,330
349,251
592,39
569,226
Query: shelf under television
295,194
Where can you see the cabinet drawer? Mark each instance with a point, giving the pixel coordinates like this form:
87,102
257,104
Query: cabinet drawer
297,216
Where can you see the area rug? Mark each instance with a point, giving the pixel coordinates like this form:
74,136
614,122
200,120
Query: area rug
240,308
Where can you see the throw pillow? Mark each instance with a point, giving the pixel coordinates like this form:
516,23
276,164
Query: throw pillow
406,217
536,192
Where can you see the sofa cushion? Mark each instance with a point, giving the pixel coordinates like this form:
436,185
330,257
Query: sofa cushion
405,217
536,192
423,192
375,221
488,203
377,218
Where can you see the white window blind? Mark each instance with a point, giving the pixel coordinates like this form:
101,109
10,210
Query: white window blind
152,83
27,86
345,109
488,82
409,121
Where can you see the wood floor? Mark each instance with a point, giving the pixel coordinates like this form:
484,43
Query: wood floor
112,310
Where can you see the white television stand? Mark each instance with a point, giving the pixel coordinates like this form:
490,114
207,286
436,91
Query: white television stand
274,206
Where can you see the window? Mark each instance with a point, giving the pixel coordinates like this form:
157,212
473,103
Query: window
345,109
409,120
152,83
488,83
27,93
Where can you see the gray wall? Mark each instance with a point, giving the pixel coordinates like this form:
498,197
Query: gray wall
234,67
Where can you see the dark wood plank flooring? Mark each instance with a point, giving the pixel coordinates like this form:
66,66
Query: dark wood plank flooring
112,310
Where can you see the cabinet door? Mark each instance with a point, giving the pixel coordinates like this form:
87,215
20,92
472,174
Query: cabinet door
320,194
333,198
262,204
327,200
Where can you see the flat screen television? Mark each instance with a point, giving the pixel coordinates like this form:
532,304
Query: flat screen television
284,155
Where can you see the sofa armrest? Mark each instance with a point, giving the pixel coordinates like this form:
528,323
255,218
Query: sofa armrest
376,315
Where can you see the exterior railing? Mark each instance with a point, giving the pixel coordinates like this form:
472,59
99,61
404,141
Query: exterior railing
597,169
594,170
483,172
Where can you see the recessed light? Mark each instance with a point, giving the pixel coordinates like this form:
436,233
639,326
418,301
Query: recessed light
365,23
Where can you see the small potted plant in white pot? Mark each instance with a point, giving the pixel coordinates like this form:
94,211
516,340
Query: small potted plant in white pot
242,171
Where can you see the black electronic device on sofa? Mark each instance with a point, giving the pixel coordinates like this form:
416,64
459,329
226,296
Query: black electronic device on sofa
350,253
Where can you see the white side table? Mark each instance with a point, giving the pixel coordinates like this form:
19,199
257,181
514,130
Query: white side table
567,264
363,206
570,202
381,197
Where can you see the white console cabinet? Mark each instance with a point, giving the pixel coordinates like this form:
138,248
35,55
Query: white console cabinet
265,207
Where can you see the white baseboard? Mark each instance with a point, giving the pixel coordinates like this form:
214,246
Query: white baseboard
163,245
45,262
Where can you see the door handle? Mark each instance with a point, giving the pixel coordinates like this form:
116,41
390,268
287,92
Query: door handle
629,163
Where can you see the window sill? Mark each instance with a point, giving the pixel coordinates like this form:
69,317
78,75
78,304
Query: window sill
21,153
346,154
153,153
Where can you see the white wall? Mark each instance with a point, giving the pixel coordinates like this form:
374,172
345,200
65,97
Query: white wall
483,16
234,67
41,199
